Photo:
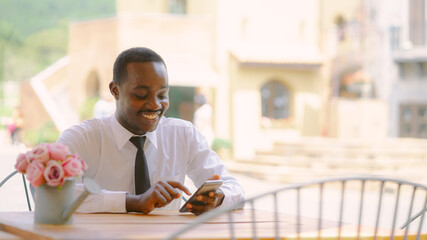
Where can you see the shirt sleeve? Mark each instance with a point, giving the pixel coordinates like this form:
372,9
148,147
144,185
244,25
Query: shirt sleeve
78,141
204,163
106,201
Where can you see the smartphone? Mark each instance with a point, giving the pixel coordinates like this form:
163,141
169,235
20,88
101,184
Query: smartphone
208,186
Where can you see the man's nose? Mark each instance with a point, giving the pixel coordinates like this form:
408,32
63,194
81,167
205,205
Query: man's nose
153,103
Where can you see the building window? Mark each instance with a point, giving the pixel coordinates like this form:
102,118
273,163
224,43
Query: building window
178,6
416,22
413,121
275,100
412,71
394,38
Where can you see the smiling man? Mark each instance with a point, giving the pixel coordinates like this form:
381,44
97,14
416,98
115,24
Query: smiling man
172,148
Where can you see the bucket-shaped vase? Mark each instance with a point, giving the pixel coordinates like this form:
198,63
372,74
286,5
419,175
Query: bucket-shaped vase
51,202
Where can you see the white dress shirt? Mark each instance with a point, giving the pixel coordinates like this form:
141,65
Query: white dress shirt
175,149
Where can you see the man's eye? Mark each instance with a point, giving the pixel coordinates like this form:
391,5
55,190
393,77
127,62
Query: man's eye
140,96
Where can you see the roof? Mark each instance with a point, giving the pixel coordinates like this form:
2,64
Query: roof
287,56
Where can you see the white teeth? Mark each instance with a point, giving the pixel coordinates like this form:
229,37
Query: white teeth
150,116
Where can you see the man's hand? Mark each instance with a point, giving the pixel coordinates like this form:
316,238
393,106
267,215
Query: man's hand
210,201
159,195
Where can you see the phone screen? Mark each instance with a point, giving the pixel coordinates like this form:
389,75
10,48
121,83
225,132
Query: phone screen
208,186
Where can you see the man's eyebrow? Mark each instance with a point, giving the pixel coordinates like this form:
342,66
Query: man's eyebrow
142,86
148,87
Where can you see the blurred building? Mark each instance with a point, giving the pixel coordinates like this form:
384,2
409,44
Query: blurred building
272,70
390,62
407,31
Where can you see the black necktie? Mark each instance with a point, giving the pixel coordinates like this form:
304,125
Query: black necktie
142,177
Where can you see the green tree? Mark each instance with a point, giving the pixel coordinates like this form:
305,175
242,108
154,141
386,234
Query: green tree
43,32
9,38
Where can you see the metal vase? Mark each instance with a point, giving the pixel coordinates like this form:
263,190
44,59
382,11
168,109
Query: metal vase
52,202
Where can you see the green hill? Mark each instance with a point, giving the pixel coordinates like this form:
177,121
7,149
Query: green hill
29,16
34,34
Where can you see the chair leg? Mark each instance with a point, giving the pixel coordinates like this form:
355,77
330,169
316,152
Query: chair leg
26,192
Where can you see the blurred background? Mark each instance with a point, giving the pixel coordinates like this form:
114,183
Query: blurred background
285,91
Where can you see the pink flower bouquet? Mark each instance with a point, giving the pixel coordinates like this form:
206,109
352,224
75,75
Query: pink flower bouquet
50,163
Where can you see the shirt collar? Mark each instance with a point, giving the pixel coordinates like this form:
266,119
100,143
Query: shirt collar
122,135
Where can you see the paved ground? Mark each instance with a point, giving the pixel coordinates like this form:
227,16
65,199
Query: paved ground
12,194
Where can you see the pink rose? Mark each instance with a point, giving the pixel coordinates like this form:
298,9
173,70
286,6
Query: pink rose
22,162
39,153
73,166
54,173
35,172
58,151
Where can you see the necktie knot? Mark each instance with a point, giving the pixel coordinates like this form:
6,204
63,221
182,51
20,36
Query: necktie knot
138,142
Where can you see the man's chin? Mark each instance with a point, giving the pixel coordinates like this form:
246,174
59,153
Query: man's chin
146,125
149,129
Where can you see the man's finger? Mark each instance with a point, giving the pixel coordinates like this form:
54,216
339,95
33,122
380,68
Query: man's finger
214,177
206,199
199,209
178,185
167,191
160,200
170,190
217,194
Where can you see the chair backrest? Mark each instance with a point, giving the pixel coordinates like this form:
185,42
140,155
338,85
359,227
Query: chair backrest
356,206
25,186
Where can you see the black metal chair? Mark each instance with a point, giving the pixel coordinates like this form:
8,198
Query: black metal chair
25,186
351,207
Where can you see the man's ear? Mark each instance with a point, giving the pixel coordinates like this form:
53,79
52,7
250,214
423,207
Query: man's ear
114,89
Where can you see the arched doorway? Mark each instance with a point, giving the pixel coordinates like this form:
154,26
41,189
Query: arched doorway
275,100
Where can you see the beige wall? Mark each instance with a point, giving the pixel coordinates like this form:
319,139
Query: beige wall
167,34
304,88
362,118
329,11
138,6
245,84
161,6
93,47
205,7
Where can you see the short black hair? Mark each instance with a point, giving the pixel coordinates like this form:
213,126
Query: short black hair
136,54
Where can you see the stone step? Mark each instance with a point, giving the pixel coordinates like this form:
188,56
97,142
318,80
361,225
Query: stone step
313,157
335,161
390,149
365,151
291,174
